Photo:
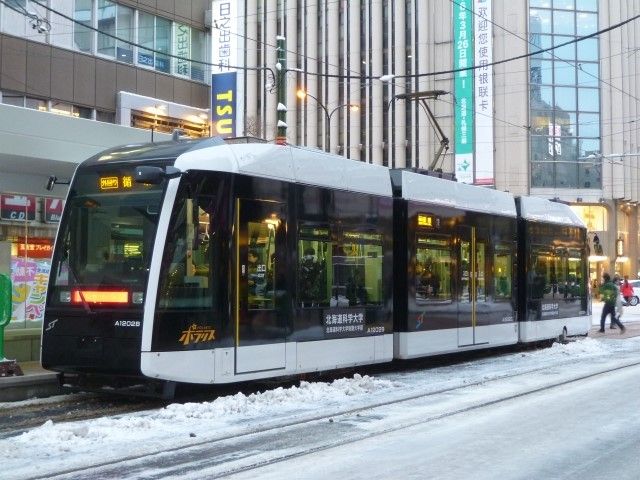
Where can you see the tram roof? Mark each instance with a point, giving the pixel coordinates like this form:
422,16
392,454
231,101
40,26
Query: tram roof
433,190
542,210
267,160
139,152
289,163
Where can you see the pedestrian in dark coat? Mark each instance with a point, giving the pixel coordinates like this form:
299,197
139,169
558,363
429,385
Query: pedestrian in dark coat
609,293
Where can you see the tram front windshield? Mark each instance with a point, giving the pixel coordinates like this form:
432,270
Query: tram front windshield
104,245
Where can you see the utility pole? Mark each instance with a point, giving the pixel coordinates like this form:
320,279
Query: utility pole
281,85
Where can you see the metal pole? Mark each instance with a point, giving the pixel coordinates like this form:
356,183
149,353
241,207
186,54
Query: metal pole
327,117
327,133
281,71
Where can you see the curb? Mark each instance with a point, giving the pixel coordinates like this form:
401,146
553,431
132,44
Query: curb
38,385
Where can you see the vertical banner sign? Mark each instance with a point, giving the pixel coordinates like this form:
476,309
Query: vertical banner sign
223,104
483,92
182,43
224,59
463,86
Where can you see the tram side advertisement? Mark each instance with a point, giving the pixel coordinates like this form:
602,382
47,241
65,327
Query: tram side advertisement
339,322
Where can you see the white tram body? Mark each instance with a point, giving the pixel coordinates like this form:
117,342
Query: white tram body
212,262
552,238
242,363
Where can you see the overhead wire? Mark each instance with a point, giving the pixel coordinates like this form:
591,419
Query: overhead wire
340,76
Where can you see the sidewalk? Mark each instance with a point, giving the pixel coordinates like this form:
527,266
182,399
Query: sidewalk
632,329
36,382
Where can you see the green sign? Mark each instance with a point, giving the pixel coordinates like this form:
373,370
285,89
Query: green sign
463,84
5,308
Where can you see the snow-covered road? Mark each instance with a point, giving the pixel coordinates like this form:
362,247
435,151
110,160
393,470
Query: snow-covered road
429,432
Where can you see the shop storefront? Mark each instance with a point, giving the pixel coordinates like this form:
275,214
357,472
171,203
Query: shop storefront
27,229
613,239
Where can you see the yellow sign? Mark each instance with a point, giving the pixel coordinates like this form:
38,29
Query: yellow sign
425,220
116,183
197,334
109,183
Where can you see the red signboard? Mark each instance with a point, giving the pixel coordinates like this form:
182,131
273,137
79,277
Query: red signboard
18,207
53,210
35,247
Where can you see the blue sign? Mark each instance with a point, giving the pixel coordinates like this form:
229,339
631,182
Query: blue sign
145,59
223,104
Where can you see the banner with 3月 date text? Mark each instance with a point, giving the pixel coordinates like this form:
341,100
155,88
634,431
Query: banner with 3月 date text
473,110
463,89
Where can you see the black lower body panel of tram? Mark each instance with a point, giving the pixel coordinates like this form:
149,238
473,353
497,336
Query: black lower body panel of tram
102,364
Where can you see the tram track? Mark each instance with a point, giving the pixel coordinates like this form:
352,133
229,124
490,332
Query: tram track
267,444
15,419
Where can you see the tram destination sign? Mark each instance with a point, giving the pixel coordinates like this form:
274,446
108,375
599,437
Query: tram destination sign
17,207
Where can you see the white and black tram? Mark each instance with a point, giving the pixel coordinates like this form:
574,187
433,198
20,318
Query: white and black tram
213,262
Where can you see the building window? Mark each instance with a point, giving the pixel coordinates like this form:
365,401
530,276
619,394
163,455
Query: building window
12,98
106,28
107,117
158,37
154,33
146,24
82,33
198,52
163,44
564,98
124,31
194,127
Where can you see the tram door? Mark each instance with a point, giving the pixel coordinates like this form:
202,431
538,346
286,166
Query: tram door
471,285
259,322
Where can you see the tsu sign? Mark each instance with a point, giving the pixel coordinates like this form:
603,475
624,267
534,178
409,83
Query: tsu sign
17,207
223,104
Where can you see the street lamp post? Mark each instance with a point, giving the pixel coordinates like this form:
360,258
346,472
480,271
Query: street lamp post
302,94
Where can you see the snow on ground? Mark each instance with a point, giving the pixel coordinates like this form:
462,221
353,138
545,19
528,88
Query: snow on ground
65,445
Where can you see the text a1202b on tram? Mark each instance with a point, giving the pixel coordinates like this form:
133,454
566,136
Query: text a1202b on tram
214,262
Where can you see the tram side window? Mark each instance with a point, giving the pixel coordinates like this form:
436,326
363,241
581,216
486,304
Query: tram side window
543,274
185,278
355,270
433,269
502,275
556,273
481,289
313,276
573,285
261,257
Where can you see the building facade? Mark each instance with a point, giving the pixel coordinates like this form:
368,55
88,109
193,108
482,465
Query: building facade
561,123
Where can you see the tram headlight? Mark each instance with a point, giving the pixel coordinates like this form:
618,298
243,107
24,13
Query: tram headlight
137,298
65,296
